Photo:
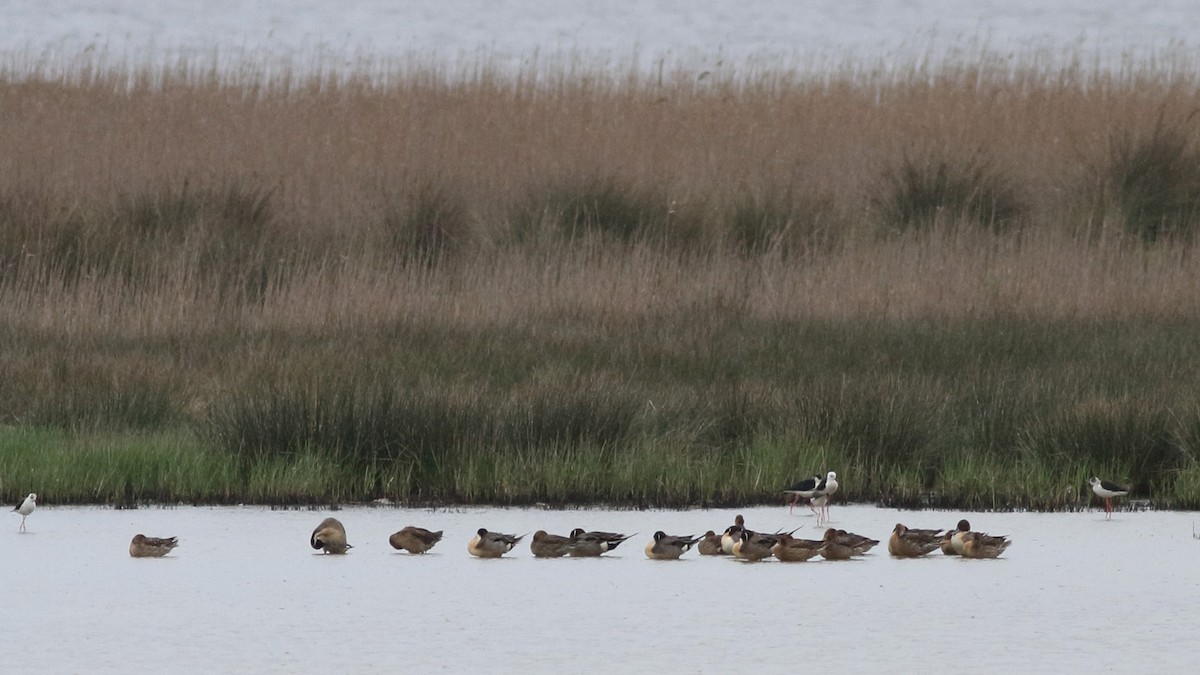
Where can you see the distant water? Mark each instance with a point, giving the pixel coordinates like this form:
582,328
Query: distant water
693,32
245,593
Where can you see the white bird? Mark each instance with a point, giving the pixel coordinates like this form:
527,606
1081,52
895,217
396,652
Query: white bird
1107,490
25,509
821,495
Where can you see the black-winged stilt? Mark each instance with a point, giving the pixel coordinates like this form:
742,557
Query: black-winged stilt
821,495
25,508
803,490
1107,490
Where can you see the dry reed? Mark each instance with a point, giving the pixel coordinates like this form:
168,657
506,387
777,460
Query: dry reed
174,238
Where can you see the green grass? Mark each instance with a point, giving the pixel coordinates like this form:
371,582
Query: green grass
983,414
114,468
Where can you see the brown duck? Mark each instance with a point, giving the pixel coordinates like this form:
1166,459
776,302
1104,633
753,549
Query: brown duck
415,540
710,544
151,547
545,545
791,549
979,545
330,537
909,543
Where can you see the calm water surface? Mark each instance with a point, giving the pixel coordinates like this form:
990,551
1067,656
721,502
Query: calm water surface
695,32
245,593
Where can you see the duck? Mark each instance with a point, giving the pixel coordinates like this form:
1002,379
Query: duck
947,543
913,543
859,543
330,537
804,489
491,544
669,547
546,545
979,545
415,540
727,538
25,508
984,543
710,544
836,548
593,544
821,496
956,536
753,546
790,549
151,547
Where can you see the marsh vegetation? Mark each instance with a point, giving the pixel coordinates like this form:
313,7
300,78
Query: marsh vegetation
973,286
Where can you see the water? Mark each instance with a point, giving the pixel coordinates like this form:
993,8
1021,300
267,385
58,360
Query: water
245,593
693,31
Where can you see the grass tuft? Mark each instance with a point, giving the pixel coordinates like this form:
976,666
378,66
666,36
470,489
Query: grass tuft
433,225
609,208
940,193
782,222
1156,181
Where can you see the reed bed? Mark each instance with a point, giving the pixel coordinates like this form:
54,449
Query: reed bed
965,286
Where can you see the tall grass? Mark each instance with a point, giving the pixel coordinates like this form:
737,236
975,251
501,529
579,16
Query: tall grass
966,287
1155,180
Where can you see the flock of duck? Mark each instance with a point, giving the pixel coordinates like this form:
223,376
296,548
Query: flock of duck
736,541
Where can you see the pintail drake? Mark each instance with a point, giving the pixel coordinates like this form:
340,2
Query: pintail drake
669,547
594,544
491,544
727,538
